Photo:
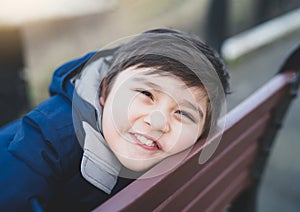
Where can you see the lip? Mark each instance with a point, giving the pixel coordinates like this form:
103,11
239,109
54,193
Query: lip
137,141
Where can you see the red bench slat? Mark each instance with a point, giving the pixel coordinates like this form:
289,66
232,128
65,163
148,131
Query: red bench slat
215,168
162,191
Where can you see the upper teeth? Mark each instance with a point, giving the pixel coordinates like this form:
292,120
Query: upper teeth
145,140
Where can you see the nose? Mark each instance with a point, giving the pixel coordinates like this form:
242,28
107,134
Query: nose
157,120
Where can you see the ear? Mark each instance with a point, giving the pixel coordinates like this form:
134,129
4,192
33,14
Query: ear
103,87
101,101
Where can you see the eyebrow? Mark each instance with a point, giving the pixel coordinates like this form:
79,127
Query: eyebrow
188,104
147,82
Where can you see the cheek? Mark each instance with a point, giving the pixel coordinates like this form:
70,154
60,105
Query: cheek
184,138
137,109
116,111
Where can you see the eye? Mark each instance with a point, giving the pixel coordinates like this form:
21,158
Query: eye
185,114
146,93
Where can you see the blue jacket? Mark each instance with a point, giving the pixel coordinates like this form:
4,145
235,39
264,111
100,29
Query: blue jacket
40,155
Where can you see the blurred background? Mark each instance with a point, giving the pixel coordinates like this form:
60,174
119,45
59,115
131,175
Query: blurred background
253,36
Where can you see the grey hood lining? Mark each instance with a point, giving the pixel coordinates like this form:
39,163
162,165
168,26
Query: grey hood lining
99,165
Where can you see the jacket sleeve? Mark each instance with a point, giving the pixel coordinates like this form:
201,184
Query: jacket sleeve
32,158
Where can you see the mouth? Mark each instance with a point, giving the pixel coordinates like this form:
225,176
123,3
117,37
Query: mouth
145,141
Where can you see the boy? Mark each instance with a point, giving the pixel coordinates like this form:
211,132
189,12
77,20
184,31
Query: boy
129,108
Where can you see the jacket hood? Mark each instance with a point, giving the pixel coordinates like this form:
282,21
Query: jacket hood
61,83
79,81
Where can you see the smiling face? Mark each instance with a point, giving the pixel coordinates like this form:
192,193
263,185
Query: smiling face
149,117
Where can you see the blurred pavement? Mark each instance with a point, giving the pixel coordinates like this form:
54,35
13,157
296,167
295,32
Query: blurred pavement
280,188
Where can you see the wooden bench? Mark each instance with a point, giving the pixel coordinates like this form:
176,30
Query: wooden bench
229,180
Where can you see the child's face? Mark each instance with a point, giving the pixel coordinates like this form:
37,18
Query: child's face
147,118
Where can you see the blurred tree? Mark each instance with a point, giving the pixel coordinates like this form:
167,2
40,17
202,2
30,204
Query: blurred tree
13,95
226,18
216,25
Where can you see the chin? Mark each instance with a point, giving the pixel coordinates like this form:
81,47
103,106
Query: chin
136,165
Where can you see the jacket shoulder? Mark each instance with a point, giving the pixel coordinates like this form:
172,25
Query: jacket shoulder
38,153
47,132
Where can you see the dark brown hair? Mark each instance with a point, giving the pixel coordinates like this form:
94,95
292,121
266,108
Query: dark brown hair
148,50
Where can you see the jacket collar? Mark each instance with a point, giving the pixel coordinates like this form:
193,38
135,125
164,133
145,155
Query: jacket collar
99,165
